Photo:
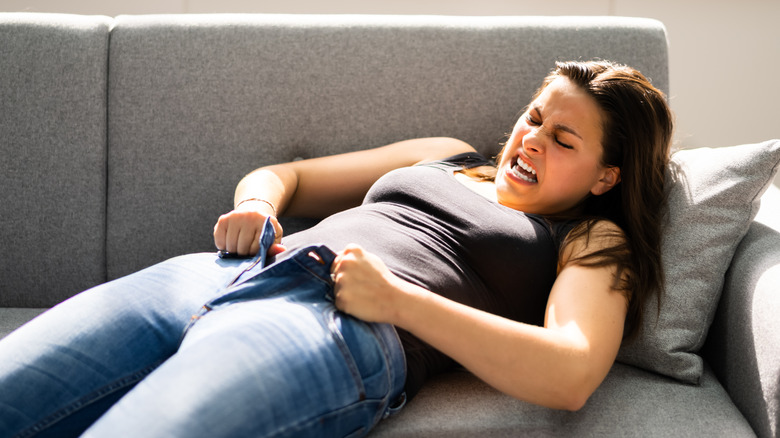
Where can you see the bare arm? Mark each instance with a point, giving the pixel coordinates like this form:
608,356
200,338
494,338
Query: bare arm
558,365
317,187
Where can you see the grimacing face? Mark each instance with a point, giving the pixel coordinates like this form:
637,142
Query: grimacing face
552,160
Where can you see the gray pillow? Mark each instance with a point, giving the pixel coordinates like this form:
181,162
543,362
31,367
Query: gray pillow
713,196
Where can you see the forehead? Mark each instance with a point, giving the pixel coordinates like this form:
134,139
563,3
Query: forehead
565,93
564,103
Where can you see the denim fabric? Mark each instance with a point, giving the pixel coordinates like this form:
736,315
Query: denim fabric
269,355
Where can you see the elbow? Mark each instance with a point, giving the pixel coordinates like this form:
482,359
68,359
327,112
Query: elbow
564,396
560,398
580,387
572,394
577,379
575,401
572,401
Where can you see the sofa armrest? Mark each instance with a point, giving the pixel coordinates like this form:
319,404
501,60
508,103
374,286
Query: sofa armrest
743,346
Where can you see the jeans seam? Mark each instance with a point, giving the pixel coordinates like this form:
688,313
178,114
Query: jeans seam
349,358
391,371
316,275
86,400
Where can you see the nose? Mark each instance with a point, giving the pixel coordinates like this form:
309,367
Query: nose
533,142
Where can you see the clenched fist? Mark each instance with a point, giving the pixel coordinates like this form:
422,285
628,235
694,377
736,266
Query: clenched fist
364,287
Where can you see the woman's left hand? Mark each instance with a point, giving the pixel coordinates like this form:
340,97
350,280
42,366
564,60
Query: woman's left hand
364,287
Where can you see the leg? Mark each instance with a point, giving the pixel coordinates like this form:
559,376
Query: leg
288,364
62,370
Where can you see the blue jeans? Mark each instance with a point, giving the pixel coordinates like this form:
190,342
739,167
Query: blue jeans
270,355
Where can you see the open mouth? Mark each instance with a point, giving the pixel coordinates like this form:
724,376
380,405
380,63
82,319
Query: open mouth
523,170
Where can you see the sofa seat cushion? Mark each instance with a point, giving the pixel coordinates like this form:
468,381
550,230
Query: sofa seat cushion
630,402
13,317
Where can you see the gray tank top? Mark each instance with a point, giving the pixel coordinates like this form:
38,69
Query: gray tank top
433,231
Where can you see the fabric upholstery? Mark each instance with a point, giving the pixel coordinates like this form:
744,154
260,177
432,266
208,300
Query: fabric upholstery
197,102
194,102
744,345
630,402
53,148
12,318
713,196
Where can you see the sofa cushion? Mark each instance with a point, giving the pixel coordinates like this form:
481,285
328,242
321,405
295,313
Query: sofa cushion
630,402
713,196
53,81
12,318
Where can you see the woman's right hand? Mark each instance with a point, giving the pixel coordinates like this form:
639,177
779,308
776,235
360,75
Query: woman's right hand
239,230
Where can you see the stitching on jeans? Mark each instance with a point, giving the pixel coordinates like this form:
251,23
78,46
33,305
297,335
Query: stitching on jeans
349,358
312,272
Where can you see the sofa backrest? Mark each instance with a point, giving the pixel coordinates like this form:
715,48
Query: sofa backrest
194,102
53,82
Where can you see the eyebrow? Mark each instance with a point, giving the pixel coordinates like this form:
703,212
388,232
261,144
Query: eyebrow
559,127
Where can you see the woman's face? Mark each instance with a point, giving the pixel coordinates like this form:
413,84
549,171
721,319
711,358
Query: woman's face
552,160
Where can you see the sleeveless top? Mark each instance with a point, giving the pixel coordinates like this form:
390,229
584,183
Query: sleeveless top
433,231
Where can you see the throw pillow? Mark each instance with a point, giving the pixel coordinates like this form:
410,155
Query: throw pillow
713,196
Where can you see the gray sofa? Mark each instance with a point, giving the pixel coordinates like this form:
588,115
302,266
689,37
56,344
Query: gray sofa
122,140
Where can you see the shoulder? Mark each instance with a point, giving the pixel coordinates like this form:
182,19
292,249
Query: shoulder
598,242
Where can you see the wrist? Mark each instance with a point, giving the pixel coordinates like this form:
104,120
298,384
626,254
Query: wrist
255,203
405,301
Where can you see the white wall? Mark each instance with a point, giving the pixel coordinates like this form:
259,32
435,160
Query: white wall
724,55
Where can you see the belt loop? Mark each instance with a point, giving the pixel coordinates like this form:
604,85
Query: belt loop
318,260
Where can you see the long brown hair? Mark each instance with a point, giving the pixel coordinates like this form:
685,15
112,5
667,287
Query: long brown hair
637,133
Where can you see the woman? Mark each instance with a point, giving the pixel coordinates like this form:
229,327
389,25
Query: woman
530,274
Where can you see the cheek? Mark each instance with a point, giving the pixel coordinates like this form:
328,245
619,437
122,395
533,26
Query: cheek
512,145
577,174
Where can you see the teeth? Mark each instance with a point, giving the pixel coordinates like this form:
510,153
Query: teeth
526,167
521,175
525,177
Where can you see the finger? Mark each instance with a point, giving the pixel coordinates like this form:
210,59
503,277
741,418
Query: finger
277,229
232,235
254,248
334,266
276,249
220,233
353,248
351,253
248,240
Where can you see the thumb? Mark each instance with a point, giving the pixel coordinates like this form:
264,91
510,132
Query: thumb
276,249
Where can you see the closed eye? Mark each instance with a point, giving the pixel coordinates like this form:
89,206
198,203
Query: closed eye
533,122
563,144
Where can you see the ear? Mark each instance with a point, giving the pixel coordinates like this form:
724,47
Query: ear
609,179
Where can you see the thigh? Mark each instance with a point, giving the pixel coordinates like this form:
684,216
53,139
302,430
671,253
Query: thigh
65,367
280,366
